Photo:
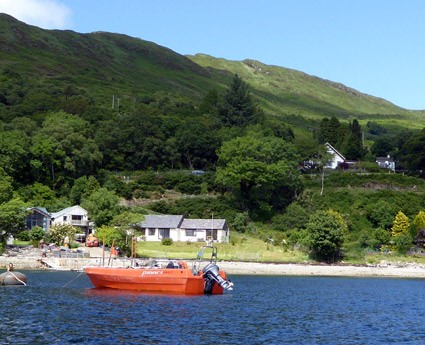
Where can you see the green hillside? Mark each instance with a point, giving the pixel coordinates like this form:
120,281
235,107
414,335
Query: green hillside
101,64
284,91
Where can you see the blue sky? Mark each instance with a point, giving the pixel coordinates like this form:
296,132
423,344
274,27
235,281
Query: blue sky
374,46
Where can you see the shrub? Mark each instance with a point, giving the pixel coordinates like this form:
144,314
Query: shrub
167,241
24,235
37,233
326,230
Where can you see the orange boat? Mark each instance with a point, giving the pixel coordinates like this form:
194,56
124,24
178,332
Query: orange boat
168,277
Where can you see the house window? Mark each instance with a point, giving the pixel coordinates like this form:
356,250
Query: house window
151,232
190,232
77,217
64,218
164,233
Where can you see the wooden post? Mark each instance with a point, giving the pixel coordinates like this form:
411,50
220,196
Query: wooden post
103,251
110,252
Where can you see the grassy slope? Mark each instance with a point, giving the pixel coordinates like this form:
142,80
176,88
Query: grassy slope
102,63
105,63
284,91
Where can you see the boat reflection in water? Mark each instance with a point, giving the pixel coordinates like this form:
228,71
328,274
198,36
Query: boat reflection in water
169,276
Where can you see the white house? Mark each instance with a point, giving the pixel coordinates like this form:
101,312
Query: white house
74,215
336,157
386,163
157,227
216,230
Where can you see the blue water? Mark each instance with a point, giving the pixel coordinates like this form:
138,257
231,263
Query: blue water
63,308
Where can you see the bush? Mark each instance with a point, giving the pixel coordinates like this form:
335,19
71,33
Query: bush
167,241
326,230
24,235
37,233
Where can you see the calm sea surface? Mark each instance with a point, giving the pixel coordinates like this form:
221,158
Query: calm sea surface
63,308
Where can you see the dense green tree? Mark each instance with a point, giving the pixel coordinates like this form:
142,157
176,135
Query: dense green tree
352,145
197,143
327,231
12,218
6,187
262,171
418,224
134,141
330,131
412,154
238,109
37,194
63,149
383,146
102,206
82,188
210,103
375,128
14,153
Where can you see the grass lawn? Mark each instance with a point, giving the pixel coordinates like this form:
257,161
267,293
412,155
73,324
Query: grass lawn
247,249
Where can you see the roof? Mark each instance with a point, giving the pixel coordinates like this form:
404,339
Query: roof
162,221
216,224
334,150
41,210
384,159
69,210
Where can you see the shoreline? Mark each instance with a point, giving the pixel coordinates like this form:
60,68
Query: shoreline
384,269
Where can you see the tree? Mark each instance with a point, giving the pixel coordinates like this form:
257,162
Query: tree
12,218
400,233
102,206
330,131
82,188
238,108
418,223
352,146
197,143
59,233
401,225
14,153
412,155
261,171
383,146
127,224
327,230
63,149
210,103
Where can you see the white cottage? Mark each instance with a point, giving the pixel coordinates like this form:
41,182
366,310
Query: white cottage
157,227
336,157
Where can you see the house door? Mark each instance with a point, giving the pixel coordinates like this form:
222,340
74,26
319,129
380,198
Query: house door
212,234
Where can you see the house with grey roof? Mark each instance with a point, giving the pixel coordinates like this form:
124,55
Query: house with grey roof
386,162
38,216
179,229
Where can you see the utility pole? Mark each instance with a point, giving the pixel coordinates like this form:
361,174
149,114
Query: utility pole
113,101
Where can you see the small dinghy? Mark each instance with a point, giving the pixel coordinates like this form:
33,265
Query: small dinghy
10,277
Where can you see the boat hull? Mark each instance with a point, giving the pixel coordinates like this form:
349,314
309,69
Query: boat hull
162,280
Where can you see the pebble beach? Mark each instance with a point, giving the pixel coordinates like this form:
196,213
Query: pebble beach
33,259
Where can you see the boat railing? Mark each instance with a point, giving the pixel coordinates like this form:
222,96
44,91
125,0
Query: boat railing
196,266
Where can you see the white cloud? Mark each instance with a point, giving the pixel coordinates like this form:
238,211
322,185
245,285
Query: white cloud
48,14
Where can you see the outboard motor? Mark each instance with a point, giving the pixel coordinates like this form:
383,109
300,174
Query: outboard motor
211,275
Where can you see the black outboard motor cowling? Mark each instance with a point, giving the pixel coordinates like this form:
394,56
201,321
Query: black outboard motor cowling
211,276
